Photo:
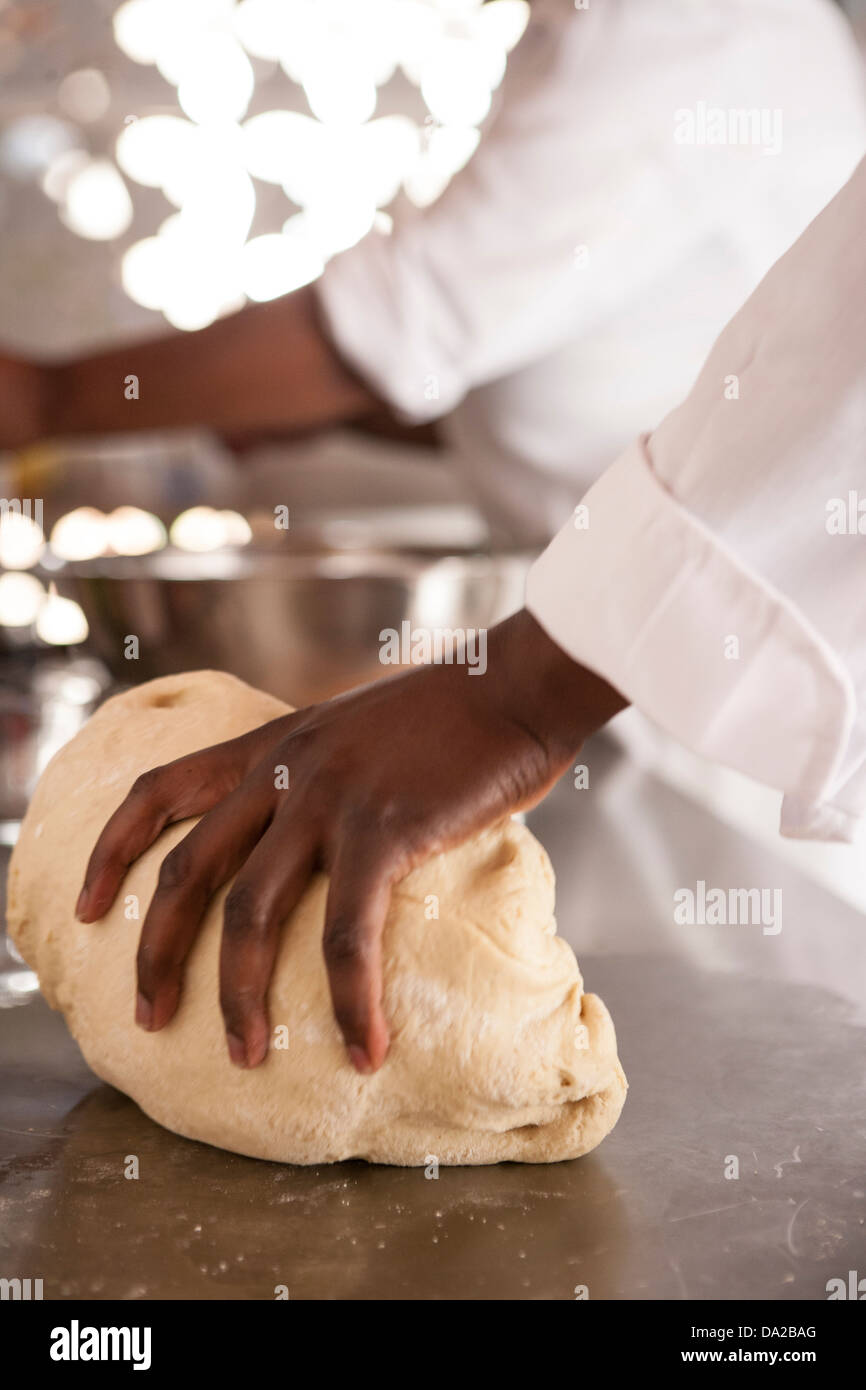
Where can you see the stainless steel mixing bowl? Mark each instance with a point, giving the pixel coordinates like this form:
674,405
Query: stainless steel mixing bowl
379,535
304,624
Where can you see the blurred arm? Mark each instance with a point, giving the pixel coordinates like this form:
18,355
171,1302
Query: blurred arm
269,367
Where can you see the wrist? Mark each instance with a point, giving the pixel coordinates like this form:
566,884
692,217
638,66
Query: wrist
559,701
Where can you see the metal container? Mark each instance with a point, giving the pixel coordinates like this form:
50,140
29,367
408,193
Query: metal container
303,624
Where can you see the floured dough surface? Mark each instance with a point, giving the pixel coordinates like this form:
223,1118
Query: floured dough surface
496,1052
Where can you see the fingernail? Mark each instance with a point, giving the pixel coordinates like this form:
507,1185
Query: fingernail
79,906
237,1049
359,1059
143,1012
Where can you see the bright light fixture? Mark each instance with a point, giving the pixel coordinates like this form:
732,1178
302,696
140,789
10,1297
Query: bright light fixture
21,597
201,529
81,534
21,541
96,203
61,621
132,531
336,161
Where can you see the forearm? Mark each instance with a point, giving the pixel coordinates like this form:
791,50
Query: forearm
269,367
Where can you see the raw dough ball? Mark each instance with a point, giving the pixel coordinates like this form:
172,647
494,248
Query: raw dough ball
496,1052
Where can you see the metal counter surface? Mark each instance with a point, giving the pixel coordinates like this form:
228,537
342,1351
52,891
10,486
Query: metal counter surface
732,1051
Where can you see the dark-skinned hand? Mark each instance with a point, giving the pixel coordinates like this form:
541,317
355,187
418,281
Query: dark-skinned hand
379,780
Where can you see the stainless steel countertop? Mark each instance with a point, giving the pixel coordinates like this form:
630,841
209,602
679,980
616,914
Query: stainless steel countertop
730,1046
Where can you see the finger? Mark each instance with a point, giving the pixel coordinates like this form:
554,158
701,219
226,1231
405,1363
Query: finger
262,896
189,786
358,900
190,875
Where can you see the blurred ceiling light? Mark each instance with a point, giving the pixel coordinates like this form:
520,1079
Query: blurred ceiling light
140,26
416,27
277,263
193,304
132,531
60,171
160,31
305,25
21,597
448,149
261,26
96,203
61,621
215,79
218,209
340,93
81,534
204,238
30,143
331,225
384,153
203,528
191,278
84,95
337,164
313,35
191,282
206,155
502,22
275,142
313,165
21,541
363,166
143,272
237,528
151,149
455,83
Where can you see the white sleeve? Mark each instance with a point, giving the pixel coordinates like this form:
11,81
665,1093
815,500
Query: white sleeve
459,292
544,233
716,573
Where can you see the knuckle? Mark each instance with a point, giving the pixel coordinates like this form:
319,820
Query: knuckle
382,822
343,943
239,1002
360,820
155,960
148,785
527,773
245,916
176,868
296,749
301,740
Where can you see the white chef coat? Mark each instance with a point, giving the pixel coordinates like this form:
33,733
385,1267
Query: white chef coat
562,293
560,297
721,580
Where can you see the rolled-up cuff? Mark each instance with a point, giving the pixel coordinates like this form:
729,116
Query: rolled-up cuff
639,590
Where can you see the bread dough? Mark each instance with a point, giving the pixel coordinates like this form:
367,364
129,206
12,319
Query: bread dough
496,1052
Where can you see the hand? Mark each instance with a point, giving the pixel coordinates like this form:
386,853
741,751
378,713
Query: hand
379,779
23,392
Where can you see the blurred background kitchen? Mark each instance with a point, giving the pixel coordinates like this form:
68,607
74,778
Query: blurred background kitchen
162,163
